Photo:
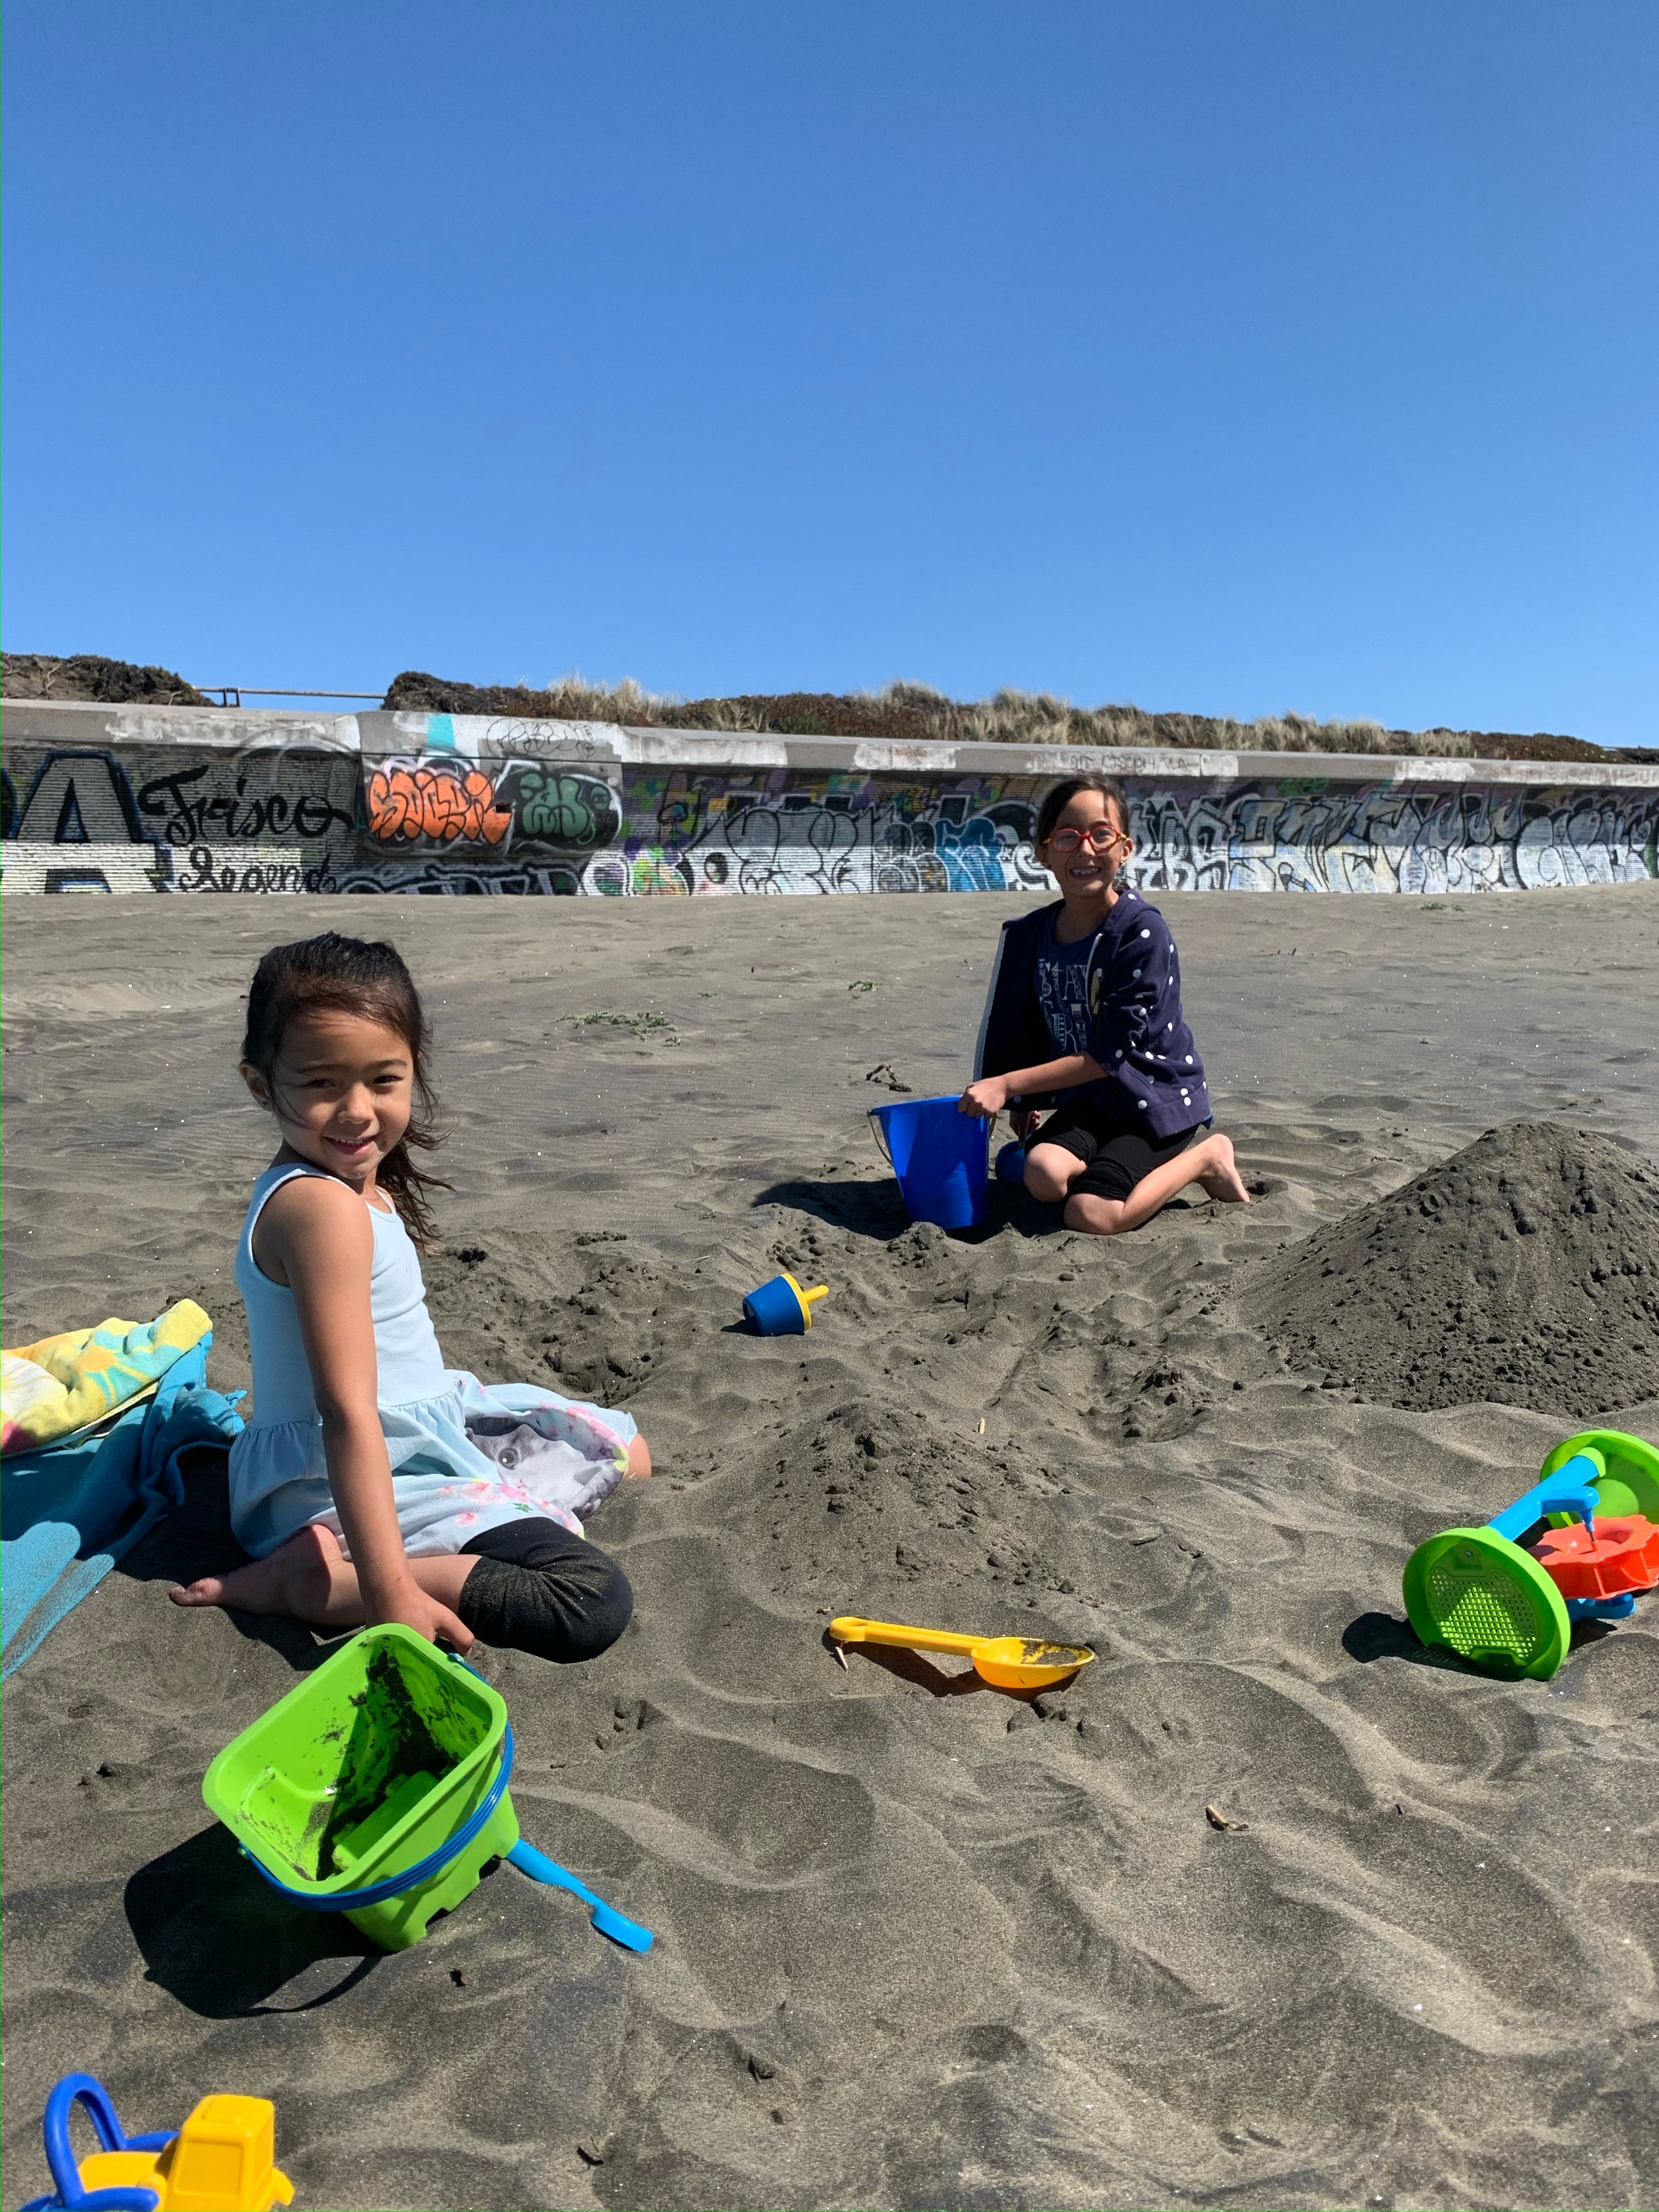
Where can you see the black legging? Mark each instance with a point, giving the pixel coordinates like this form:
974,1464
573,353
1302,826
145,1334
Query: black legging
536,1588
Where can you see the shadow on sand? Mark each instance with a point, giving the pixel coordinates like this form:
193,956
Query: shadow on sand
876,1209
219,1938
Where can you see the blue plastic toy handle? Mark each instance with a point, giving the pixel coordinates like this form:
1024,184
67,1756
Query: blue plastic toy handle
354,1901
60,2152
1570,1489
606,1919
1619,1606
536,1864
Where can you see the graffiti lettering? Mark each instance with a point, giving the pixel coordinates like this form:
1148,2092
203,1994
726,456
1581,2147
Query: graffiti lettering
462,875
260,823
78,797
211,871
577,812
1379,838
444,804
191,815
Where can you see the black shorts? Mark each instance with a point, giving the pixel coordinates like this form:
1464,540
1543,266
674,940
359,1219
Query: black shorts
1116,1159
538,1588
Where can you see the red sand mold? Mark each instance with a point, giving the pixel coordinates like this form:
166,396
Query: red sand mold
1622,1555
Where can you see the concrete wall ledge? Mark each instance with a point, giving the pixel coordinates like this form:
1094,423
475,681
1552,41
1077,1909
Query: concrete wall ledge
487,737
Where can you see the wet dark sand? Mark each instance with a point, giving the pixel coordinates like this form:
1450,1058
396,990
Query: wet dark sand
919,1944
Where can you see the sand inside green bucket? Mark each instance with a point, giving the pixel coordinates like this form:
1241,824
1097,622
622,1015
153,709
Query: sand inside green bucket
362,1749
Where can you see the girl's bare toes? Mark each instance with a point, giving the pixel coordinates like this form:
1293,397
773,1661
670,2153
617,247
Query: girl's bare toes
262,1586
210,1590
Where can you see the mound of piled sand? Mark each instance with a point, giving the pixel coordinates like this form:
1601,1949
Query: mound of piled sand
1524,1271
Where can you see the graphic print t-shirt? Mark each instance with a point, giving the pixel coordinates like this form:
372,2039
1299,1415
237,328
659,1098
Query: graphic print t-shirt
1062,986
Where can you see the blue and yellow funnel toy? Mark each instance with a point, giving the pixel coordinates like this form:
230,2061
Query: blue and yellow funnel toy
782,1307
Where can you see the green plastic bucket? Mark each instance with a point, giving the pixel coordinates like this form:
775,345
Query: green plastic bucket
365,1769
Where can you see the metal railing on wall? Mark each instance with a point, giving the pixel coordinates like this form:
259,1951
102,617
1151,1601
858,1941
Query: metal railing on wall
230,694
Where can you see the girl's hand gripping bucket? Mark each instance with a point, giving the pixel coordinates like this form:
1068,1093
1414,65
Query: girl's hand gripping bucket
941,1156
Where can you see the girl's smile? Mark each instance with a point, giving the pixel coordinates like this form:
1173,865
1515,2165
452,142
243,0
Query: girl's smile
342,1092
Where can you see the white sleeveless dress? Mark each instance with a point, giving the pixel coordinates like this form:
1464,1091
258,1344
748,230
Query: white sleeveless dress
541,1454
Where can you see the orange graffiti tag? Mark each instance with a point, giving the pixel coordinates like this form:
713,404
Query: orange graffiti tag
444,804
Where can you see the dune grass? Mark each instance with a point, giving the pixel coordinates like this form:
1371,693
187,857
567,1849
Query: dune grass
914,713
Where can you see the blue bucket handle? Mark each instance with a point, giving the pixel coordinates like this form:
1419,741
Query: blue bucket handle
354,1900
71,2196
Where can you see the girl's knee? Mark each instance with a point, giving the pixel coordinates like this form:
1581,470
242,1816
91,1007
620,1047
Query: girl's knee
639,1455
566,1601
1048,1182
602,1618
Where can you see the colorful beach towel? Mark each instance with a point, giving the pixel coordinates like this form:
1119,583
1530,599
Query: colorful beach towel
68,1512
65,1385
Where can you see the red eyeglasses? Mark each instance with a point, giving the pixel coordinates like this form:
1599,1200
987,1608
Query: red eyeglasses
1099,836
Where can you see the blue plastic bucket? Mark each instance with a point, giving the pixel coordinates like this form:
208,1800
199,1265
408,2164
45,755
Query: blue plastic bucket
1011,1162
941,1156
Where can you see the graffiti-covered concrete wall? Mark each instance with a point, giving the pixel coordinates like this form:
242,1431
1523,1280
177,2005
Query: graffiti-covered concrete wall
99,800
510,819
200,800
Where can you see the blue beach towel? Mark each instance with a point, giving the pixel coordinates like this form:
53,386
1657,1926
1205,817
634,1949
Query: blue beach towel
69,1511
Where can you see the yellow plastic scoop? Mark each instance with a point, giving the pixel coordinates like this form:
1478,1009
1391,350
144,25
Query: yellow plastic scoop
1012,1662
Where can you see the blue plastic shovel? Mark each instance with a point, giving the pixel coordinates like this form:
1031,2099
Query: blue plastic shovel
606,1919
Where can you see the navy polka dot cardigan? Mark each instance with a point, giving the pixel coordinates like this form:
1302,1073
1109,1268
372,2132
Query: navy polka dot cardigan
1154,1077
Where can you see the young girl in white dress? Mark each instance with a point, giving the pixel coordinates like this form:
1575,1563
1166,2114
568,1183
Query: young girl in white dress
373,1484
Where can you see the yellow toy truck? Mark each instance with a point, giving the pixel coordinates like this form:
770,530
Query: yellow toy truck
221,2160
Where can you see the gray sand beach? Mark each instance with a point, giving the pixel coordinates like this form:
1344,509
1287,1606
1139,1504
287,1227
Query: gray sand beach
920,1943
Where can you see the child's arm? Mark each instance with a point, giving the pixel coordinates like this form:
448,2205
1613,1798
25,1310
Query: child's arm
320,1237
991,1094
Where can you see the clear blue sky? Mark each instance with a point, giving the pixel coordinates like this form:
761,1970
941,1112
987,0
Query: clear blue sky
1230,357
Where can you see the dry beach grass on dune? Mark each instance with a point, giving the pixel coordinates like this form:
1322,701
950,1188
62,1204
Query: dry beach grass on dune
916,714
910,712
919,1944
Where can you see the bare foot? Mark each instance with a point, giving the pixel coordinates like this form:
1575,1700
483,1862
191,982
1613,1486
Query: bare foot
639,1456
1220,1177
299,1577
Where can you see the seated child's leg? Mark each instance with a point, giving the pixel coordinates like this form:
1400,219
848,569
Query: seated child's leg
1118,1193
534,1587
1051,1171
1098,1216
309,1578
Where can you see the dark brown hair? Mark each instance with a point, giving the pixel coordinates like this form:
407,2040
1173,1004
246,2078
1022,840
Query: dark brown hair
349,976
1060,795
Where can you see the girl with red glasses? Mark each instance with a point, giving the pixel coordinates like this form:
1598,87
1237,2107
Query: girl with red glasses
1083,1014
